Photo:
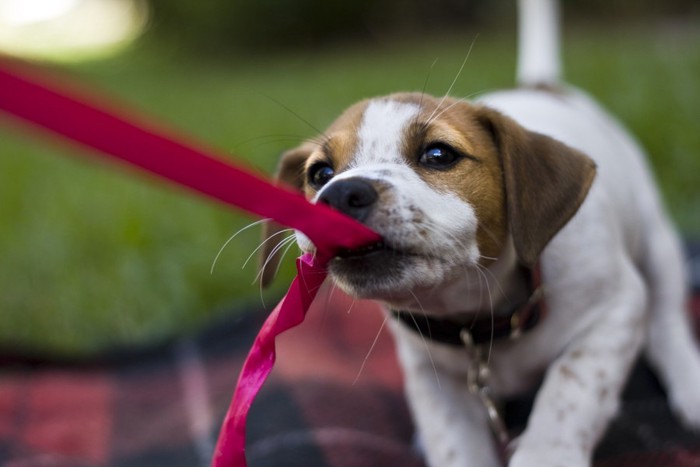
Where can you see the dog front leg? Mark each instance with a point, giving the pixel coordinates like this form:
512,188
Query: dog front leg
581,389
452,423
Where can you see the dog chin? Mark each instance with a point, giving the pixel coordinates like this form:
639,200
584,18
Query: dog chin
386,276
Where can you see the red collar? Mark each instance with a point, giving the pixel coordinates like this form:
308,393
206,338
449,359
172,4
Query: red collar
484,328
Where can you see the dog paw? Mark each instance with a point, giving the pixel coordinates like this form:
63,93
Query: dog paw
549,458
685,403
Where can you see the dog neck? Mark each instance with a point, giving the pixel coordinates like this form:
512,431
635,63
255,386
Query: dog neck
508,319
494,288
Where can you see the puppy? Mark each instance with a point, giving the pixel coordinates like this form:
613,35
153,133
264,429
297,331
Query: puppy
524,242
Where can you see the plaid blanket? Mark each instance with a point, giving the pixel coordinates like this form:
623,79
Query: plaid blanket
334,400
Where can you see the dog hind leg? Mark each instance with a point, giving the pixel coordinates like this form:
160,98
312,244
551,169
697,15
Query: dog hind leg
671,347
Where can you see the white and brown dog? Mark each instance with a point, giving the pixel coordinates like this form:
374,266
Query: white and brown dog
474,199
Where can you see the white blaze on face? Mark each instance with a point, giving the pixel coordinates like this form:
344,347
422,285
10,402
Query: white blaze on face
382,131
380,138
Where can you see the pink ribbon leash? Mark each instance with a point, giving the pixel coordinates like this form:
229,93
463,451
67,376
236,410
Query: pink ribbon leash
230,449
186,163
111,133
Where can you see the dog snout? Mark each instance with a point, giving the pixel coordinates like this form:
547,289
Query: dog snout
353,197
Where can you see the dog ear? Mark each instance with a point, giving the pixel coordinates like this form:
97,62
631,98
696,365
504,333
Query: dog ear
290,171
545,182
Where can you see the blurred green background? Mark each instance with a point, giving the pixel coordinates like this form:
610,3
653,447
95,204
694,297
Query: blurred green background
93,259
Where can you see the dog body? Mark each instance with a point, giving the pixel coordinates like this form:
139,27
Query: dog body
613,277
466,197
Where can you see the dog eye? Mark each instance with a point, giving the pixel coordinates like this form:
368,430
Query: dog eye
319,174
438,156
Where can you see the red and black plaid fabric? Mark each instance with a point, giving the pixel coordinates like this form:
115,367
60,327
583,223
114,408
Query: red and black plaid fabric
334,400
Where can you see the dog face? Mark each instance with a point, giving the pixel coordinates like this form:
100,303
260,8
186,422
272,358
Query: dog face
444,182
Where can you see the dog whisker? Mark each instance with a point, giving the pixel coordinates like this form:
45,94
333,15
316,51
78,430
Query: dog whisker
319,141
285,242
440,232
352,305
458,243
369,352
464,99
216,258
454,81
496,281
491,310
425,342
455,247
262,244
329,298
490,234
284,253
270,139
490,258
425,84
306,286
279,264
289,241
331,292
296,114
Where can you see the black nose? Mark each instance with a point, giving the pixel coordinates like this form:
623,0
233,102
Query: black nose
354,197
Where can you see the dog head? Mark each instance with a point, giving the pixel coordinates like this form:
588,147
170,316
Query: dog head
446,183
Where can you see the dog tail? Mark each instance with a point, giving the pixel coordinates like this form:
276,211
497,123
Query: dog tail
538,43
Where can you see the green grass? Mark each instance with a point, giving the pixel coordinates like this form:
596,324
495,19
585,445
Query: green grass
94,258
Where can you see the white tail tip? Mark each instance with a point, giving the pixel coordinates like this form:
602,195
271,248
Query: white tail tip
538,43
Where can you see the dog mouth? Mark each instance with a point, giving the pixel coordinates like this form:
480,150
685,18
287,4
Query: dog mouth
359,271
382,271
386,271
366,251
379,249
372,270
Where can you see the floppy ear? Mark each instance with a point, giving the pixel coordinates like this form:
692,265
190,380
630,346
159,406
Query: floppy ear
290,171
545,182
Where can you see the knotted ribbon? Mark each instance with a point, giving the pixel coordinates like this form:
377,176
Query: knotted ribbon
129,138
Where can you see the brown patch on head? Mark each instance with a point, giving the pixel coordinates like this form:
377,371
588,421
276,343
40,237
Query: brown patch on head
478,178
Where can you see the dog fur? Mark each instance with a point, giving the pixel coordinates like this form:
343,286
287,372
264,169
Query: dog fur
539,176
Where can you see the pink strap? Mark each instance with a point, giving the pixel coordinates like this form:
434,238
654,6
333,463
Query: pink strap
189,164
193,166
230,449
